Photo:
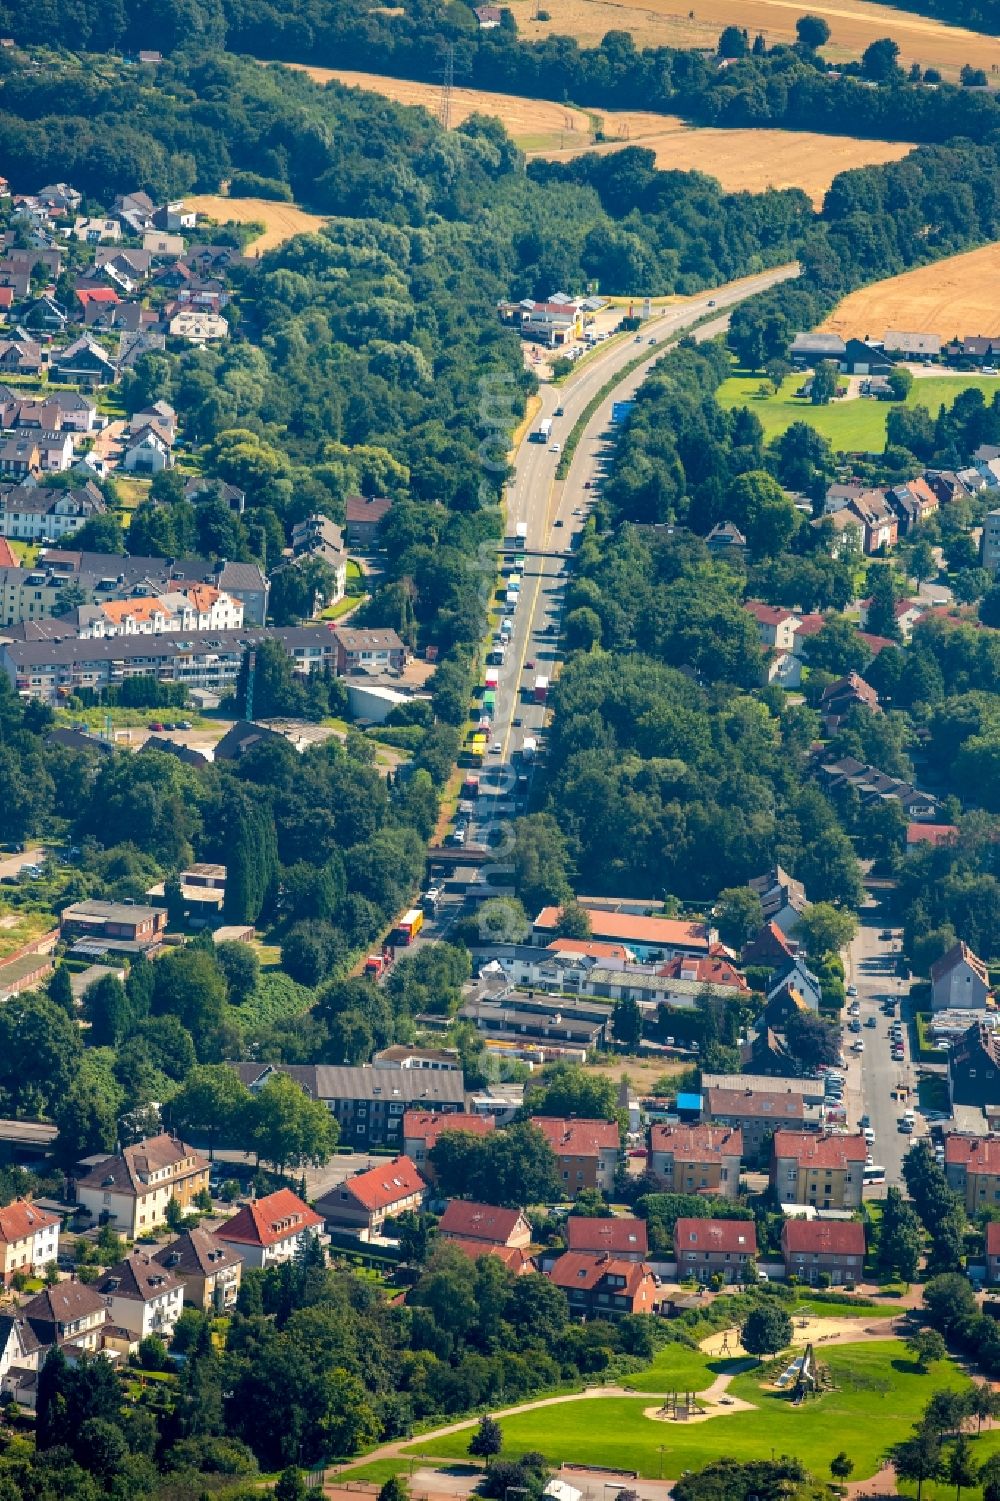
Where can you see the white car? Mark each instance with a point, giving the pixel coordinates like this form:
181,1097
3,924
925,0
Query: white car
859,1046
496,748
554,448
852,990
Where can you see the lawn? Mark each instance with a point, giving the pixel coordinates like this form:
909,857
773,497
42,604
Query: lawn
677,1368
19,926
852,426
819,1308
877,1396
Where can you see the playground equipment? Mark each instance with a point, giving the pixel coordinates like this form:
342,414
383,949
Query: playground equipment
679,1407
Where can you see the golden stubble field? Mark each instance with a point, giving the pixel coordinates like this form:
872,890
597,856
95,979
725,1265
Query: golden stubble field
853,25
742,160
956,296
281,220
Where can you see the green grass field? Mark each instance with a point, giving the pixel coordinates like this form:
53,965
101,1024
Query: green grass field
849,425
877,1397
677,1368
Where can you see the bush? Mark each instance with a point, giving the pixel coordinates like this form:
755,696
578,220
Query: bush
252,185
153,1354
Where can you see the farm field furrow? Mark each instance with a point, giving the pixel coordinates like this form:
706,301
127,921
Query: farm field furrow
743,160
956,296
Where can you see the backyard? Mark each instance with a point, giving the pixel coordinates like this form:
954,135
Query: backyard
857,425
877,1395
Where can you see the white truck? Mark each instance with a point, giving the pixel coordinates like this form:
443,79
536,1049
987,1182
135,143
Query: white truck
521,533
529,748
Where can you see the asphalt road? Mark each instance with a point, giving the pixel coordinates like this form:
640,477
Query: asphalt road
870,1080
553,512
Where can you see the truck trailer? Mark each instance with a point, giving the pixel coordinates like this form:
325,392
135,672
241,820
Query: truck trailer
543,431
521,531
541,691
410,923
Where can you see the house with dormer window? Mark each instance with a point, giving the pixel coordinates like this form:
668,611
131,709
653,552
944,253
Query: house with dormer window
132,1190
142,1296
272,1229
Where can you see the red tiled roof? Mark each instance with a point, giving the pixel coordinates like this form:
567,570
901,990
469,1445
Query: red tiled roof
578,1269
270,1220
8,558
715,1235
366,508
381,1187
772,1104
588,947
767,614
514,1258
715,970
625,927
957,954
466,1220
623,1233
428,1125
697,1143
829,1237
820,1151
578,1138
20,1220
977,1154
993,1238
936,834
97,294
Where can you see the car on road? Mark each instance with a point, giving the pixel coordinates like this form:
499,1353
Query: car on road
496,748
638,338
558,521
858,1046
871,1022
711,302
516,721
184,724
529,663
155,725
855,1024
555,448
560,411
852,990
588,484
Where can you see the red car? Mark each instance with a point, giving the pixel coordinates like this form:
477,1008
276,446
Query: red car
156,725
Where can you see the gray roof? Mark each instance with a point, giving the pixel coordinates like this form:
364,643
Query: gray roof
819,343
61,651
329,1082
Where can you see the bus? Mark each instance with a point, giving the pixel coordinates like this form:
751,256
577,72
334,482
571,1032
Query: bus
873,1175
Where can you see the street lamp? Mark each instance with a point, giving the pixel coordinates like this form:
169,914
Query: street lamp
661,1448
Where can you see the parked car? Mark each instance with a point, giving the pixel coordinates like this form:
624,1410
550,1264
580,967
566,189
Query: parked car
852,990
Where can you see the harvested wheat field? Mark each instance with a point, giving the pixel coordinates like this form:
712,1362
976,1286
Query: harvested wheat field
956,296
281,220
853,24
750,160
742,160
533,123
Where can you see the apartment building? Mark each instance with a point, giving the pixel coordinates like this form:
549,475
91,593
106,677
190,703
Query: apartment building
706,1248
972,1167
696,1159
824,1171
587,1151
133,1188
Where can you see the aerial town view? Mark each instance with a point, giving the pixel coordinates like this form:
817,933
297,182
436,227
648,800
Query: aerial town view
499,750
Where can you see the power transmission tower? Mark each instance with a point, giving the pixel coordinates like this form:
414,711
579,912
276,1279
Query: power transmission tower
447,84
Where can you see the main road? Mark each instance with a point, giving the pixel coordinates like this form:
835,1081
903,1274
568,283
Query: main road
554,510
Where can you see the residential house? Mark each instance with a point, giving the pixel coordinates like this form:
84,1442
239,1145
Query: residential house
975,349
20,357
974,1068
142,1296
765,1052
696,1159
197,608
912,347
162,244
604,1286
879,522
202,893
422,1128
815,1249
756,1113
622,1237
708,1248
769,946
972,1168
488,16
44,315
912,503
174,216
776,626
96,231
29,1239
986,461
824,1171
83,363
362,517
847,693
147,450
409,1055
133,1188
861,357
815,348
715,969
198,327
369,1103
725,540
587,1151
39,513
782,898
123,926
796,975
907,614
202,488
208,1270
368,650
960,981
19,457
485,1224
875,786
365,1201
273,1229
920,835
69,1313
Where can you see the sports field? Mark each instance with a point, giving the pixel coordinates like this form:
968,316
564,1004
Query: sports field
853,426
742,160
280,220
877,1395
853,25
954,296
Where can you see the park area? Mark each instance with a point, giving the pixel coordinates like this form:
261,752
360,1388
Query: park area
875,1395
852,425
